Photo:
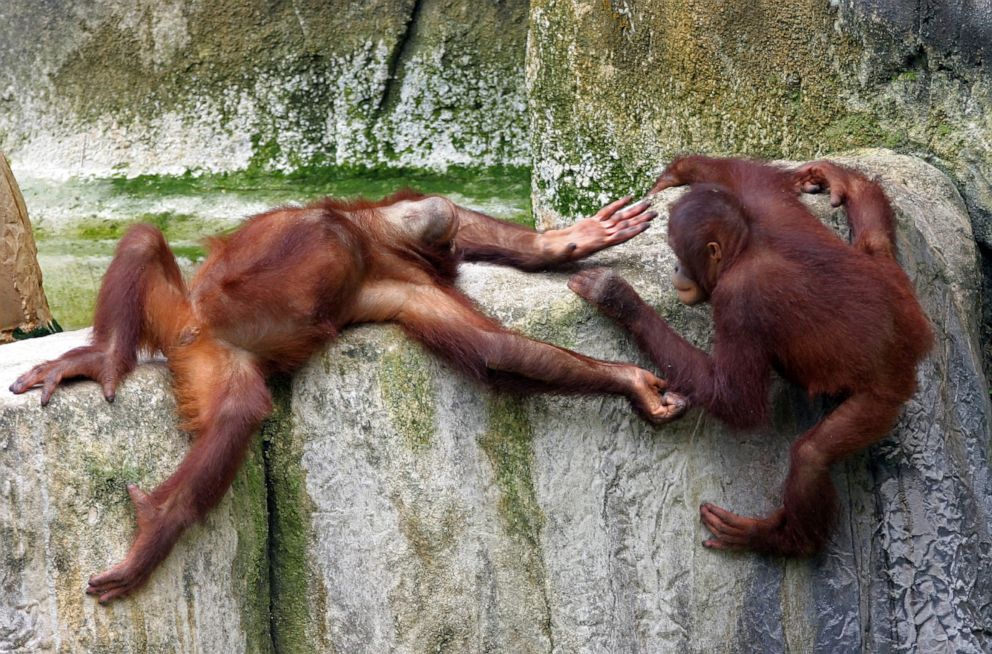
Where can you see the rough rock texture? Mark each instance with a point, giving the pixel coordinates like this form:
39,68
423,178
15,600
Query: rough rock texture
65,514
618,87
411,511
414,512
23,305
101,86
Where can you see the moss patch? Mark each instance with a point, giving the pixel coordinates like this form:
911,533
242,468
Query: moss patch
249,512
108,482
432,540
44,330
289,509
507,184
507,443
407,387
557,322
191,253
173,225
71,288
864,130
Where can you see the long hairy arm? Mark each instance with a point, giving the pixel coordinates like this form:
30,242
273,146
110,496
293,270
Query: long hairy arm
731,383
483,238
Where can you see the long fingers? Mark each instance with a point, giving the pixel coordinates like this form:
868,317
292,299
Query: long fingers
107,579
665,406
636,212
590,284
628,230
114,593
621,226
81,362
819,176
114,583
675,403
30,379
52,381
47,375
810,179
612,208
657,383
671,409
666,180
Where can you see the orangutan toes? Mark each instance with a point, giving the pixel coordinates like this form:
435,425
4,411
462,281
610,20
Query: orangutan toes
605,289
89,362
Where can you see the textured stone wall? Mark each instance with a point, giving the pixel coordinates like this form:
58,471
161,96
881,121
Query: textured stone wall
65,515
405,509
618,87
101,87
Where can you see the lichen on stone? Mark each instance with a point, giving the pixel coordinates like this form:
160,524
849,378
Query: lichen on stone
289,510
507,443
406,385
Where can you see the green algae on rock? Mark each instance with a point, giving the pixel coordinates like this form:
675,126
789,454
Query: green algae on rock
618,88
230,85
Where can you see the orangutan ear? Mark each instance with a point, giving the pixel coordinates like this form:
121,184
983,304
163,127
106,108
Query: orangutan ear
715,251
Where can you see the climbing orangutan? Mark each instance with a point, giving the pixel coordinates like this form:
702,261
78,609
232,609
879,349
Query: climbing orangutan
788,295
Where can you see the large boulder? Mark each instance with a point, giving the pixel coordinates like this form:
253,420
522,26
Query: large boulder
406,509
65,514
414,511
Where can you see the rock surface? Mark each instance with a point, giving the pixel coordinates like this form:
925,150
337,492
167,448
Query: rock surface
65,514
441,517
617,88
111,87
23,305
412,511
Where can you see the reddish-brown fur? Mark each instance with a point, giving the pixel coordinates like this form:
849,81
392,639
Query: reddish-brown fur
789,295
284,284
